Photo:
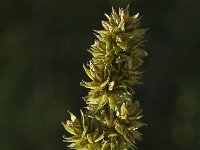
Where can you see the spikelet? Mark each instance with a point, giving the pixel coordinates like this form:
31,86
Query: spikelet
112,119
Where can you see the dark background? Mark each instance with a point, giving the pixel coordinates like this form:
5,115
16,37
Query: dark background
43,45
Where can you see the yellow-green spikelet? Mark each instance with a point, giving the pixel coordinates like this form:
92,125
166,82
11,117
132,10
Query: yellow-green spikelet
112,119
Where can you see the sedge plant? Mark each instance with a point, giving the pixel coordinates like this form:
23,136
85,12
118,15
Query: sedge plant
112,116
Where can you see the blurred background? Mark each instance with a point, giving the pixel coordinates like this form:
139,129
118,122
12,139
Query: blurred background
43,44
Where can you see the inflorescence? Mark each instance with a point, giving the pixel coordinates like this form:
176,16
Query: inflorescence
112,118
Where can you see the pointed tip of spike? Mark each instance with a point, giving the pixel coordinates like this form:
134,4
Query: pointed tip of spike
127,10
136,15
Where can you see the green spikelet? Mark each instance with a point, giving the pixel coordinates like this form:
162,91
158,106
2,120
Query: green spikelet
112,119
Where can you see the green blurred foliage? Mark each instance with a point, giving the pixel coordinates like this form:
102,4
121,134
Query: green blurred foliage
43,45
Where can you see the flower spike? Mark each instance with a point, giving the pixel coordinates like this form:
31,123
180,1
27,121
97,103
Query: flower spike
112,118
